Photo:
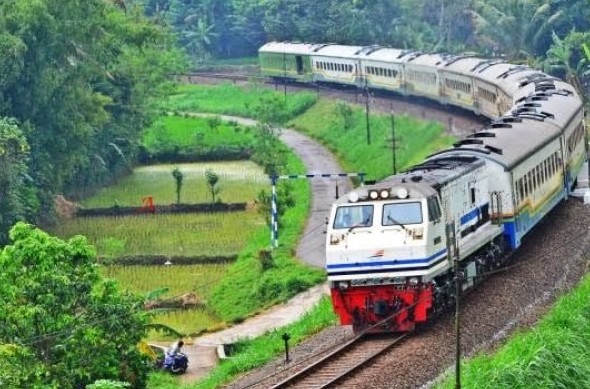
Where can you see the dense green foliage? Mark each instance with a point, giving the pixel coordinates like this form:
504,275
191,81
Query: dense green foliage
554,354
17,199
346,136
56,310
79,77
521,29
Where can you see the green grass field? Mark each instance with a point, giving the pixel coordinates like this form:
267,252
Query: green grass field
170,132
415,138
239,181
178,279
554,354
167,234
233,100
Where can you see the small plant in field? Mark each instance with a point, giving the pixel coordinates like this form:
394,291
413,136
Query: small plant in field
212,179
112,248
285,199
266,259
344,112
178,178
213,122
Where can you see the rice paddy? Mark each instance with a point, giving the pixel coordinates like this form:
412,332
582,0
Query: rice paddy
166,234
239,181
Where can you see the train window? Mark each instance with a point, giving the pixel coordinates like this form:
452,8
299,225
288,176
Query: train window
434,212
472,192
522,189
525,181
538,173
354,216
402,213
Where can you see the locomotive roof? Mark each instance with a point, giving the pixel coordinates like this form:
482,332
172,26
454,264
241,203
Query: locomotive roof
531,124
438,171
423,180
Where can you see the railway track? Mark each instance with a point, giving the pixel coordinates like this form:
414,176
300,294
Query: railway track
340,363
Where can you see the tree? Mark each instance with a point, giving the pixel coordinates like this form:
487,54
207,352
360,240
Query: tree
345,113
17,199
268,149
178,178
212,179
83,78
57,310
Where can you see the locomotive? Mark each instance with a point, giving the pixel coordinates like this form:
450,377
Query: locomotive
392,247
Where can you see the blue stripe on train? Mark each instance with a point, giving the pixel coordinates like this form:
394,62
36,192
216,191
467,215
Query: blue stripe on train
422,261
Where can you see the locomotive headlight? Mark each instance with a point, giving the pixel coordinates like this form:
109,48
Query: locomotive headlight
414,280
343,285
353,197
373,195
384,194
402,193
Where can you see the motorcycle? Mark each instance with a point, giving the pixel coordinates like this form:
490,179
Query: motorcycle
176,364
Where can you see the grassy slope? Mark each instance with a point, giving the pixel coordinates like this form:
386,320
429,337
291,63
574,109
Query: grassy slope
232,100
169,132
555,354
415,138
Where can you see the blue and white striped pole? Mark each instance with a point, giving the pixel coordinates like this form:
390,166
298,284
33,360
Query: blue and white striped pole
274,216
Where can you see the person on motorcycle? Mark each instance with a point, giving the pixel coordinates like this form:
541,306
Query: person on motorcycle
175,360
175,348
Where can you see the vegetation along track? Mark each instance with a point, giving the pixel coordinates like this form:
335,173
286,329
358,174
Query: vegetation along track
458,122
329,369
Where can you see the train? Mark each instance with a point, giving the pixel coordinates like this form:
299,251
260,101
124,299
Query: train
396,249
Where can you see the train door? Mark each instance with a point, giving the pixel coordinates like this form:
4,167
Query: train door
299,64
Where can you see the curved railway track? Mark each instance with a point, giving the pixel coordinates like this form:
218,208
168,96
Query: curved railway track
457,121
340,363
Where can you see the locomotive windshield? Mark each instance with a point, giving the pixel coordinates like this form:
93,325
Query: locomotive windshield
354,216
402,214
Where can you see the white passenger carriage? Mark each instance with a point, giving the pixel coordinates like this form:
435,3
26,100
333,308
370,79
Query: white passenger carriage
336,63
383,69
421,74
